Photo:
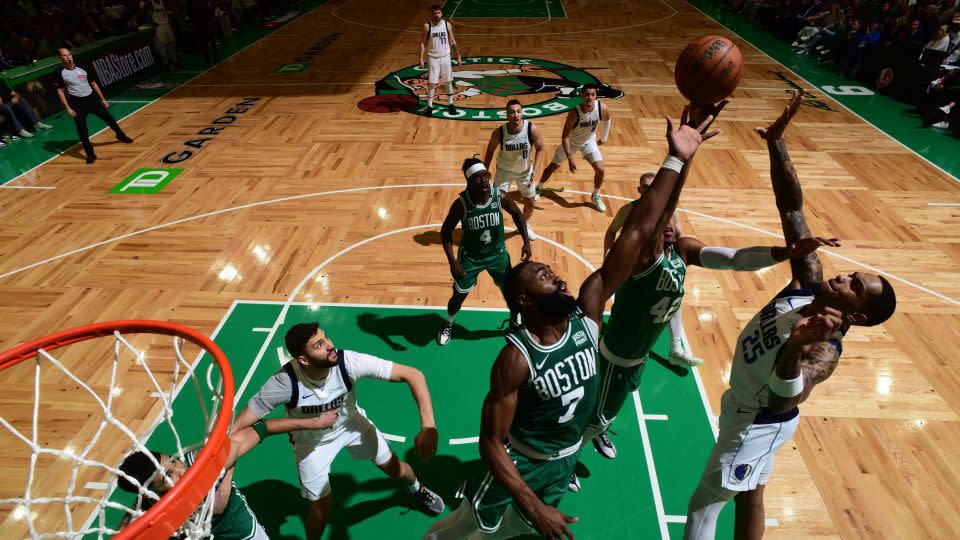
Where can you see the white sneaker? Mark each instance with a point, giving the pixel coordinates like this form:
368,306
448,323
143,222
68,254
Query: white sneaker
25,134
605,446
446,332
574,484
530,234
598,203
41,125
941,125
2,144
683,358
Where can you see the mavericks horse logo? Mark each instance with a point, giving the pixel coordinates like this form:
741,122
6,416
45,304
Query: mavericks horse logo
504,76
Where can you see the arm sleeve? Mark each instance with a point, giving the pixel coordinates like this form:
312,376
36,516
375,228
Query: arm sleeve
275,391
744,259
361,365
606,130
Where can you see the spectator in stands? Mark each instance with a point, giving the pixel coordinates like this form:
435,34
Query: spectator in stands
810,37
203,27
18,111
859,48
166,40
5,63
935,50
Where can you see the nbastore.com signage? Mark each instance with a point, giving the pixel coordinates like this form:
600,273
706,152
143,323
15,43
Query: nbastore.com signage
116,67
504,76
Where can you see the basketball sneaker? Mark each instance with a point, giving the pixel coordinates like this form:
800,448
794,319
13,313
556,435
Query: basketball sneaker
605,446
427,501
598,203
451,108
41,125
682,357
574,484
530,234
446,332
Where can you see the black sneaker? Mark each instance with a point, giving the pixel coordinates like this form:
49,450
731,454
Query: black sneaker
124,139
574,484
446,333
605,446
451,108
427,501
91,158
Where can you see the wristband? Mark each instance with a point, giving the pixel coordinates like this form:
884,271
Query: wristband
261,428
673,163
788,389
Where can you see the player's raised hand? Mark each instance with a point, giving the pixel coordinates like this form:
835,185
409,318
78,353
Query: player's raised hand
698,113
425,444
774,131
551,523
806,246
456,270
324,421
817,327
685,140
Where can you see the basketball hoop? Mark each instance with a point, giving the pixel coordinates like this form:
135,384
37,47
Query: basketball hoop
173,512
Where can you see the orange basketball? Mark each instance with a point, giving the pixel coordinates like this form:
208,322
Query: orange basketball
709,69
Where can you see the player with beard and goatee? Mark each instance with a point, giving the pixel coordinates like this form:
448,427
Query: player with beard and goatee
647,302
543,385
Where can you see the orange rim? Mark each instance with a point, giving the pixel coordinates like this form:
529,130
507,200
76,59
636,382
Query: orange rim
177,504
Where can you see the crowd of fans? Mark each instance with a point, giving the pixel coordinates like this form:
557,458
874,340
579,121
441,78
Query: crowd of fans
31,30
862,37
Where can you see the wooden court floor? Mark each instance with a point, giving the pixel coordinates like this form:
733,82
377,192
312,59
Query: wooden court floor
302,174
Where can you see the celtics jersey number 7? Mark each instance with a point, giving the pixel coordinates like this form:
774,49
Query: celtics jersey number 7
556,405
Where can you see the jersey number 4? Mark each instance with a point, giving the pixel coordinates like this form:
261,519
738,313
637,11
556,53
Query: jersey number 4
486,237
663,310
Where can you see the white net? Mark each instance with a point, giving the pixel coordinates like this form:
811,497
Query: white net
86,415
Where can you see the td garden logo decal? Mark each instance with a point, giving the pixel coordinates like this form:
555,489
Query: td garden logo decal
558,86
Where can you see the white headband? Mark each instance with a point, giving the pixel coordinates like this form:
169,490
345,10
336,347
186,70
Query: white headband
474,169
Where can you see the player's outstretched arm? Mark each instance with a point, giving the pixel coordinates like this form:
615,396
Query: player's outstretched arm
425,444
509,373
492,145
748,259
454,215
511,207
789,195
242,440
809,357
644,218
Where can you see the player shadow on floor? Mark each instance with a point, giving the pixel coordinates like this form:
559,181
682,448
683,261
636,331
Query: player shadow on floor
555,197
679,371
432,238
71,147
417,330
275,502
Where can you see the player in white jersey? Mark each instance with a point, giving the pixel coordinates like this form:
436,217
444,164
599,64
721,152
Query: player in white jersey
521,151
791,345
437,42
321,378
580,135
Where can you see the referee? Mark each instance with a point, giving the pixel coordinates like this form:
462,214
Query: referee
76,95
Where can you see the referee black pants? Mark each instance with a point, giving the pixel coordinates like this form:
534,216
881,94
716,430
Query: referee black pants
91,105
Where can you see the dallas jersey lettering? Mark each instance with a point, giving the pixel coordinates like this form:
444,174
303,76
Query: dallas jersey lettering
760,342
482,227
586,126
307,398
439,40
642,308
515,157
555,406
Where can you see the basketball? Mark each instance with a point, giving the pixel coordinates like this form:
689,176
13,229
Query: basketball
709,69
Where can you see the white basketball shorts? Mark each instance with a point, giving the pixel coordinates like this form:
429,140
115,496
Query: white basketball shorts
363,440
589,150
439,68
525,184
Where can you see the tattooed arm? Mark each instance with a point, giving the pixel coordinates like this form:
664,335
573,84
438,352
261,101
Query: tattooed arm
807,270
812,352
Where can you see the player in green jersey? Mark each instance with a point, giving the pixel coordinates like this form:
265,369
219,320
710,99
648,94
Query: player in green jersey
544,384
482,247
647,302
155,474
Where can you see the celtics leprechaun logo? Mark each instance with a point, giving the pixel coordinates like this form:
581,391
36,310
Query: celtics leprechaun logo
504,76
